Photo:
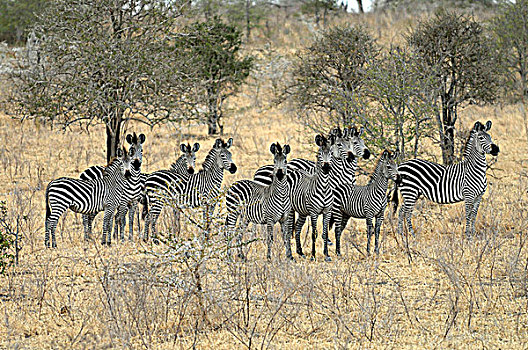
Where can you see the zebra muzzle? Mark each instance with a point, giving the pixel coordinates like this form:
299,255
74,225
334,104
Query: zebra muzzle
366,154
190,170
233,168
136,164
326,168
399,179
128,175
494,150
350,157
280,174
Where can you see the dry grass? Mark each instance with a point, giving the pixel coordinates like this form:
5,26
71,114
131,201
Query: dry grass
454,294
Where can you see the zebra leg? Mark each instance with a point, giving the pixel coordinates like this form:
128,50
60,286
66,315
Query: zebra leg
120,224
476,205
87,224
151,219
314,234
298,228
339,226
472,206
51,226
269,239
377,228
107,225
242,229
405,214
326,219
230,223
369,234
286,236
176,219
131,212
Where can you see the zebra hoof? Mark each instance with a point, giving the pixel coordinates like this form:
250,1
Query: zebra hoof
301,255
328,259
330,242
312,258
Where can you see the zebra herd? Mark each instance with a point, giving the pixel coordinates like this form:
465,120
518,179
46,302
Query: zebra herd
326,186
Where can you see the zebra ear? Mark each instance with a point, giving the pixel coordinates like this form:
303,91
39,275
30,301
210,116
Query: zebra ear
119,153
318,140
385,154
488,125
286,149
478,126
218,143
129,138
395,154
360,132
142,138
182,147
131,151
229,142
196,147
332,139
345,133
273,148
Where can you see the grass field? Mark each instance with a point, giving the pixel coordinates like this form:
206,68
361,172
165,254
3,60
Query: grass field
454,293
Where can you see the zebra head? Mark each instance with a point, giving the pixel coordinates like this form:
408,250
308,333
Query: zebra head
126,161
136,144
190,155
324,155
483,141
223,155
390,168
279,160
357,144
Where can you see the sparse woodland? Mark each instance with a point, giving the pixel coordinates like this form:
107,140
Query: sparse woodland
296,69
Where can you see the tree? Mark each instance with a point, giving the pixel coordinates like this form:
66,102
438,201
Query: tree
15,18
318,8
330,78
511,30
103,62
212,49
400,86
463,62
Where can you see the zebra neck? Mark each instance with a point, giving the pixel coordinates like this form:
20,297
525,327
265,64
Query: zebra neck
378,178
179,166
344,170
475,161
112,173
210,160
280,186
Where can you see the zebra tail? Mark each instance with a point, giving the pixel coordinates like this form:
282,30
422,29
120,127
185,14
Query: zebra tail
395,198
48,209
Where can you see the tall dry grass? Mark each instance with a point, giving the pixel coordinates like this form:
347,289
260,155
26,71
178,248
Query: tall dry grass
454,293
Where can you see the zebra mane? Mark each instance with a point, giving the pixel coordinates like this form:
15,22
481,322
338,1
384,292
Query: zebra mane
111,166
468,147
209,159
376,170
178,163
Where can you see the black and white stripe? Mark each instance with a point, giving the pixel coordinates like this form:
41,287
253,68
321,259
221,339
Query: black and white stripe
464,181
262,204
312,195
199,189
162,185
88,197
365,202
132,193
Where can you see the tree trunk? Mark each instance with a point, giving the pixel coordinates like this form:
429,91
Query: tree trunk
448,141
248,19
360,6
113,132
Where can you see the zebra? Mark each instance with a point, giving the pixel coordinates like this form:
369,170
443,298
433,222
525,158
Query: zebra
312,195
351,147
261,204
463,181
88,197
365,202
199,189
162,182
133,192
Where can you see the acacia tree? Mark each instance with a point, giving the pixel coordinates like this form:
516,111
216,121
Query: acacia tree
212,51
103,62
400,86
464,65
329,84
511,29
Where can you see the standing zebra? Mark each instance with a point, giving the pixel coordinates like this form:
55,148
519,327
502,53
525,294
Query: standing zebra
88,197
464,181
365,202
350,145
312,195
199,189
163,183
132,193
261,204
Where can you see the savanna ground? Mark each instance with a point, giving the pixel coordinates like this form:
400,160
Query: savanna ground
454,293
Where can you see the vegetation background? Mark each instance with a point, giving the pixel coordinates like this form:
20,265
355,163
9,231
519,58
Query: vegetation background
442,291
